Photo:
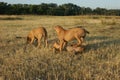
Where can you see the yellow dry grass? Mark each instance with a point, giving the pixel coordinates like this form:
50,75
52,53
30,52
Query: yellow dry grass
99,61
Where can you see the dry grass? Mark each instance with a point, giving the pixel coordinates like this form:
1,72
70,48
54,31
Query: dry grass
99,61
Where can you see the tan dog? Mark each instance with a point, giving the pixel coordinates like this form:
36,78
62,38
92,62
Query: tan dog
55,47
38,34
66,35
75,49
71,48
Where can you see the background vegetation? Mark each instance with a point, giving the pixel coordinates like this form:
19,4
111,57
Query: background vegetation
54,9
99,61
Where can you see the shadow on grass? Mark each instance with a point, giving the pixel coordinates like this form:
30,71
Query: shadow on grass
104,42
11,18
16,44
97,38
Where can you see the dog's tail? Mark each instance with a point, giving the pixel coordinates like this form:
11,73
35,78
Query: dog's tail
45,33
45,37
83,28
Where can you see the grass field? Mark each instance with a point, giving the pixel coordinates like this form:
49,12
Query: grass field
99,61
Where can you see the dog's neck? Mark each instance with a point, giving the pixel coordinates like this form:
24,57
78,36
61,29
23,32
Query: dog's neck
61,30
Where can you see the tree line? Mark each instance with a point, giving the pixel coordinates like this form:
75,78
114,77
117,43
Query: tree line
54,9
